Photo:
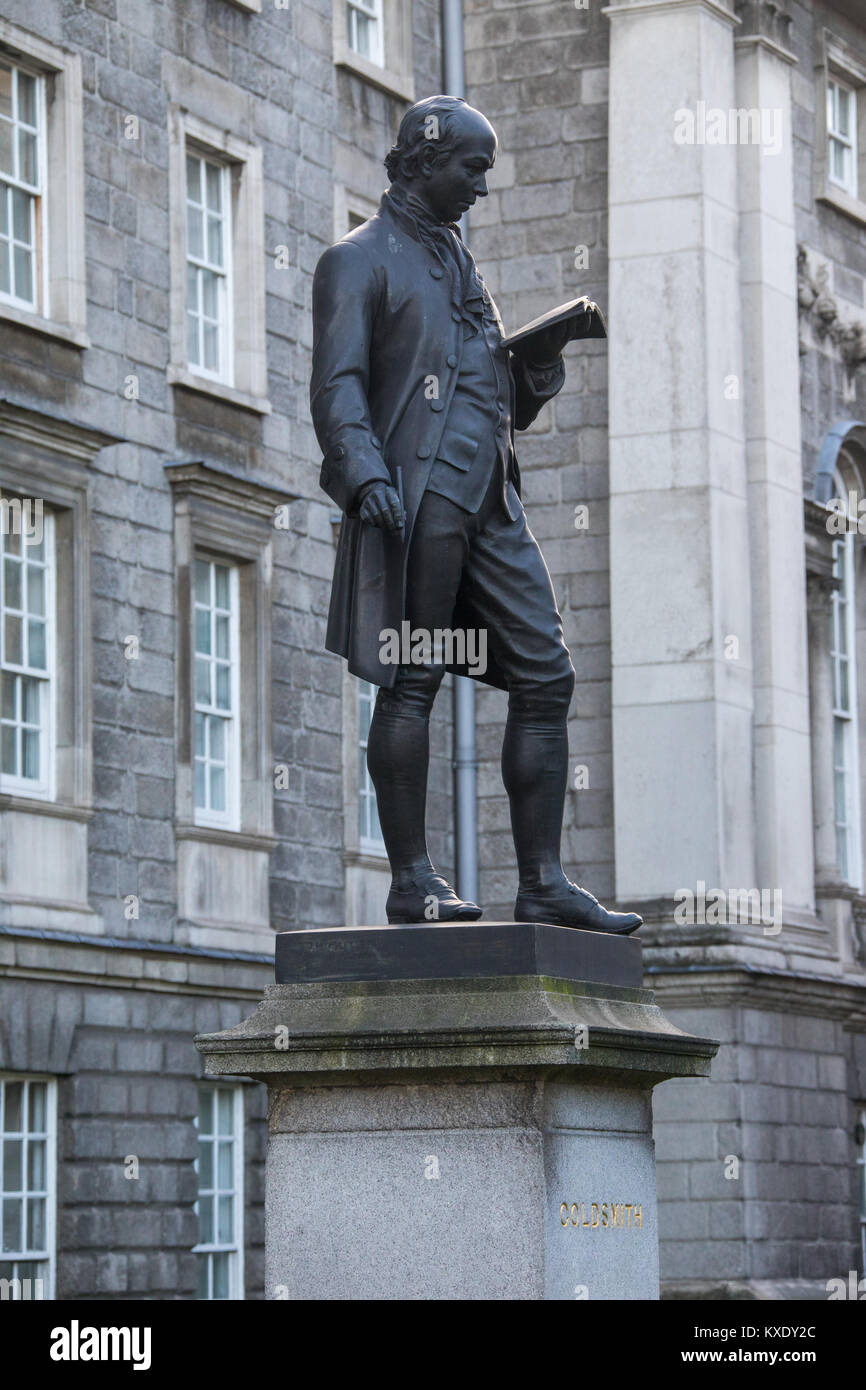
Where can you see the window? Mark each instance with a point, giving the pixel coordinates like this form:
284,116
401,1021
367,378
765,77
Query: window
842,135
27,1184
219,1207
845,761
373,39
22,171
217,252
364,29
208,256
42,269
216,693
27,647
368,810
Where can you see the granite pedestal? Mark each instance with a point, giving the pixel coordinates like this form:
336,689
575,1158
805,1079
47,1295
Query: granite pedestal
459,1112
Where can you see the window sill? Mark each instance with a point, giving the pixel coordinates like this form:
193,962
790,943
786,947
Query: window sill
63,332
188,381
215,835
33,805
394,83
843,202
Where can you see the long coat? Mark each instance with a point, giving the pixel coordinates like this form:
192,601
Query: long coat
387,323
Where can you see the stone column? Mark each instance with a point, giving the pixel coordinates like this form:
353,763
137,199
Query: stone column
459,1112
771,398
820,584
681,608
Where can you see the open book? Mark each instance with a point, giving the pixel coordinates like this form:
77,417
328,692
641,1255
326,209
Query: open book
587,323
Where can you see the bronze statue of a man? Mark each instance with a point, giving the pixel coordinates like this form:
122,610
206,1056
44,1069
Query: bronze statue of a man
415,400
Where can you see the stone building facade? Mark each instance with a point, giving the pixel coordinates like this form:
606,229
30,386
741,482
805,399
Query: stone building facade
182,763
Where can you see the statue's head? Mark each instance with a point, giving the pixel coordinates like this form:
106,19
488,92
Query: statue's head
443,152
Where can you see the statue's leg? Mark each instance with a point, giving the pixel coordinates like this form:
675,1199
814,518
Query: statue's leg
398,745
508,585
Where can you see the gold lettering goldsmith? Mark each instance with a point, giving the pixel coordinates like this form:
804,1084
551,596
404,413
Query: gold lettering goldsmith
625,1216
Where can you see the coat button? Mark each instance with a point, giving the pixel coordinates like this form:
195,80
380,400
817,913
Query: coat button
457,317
437,405
376,443
499,405
423,452
436,272
451,359
339,452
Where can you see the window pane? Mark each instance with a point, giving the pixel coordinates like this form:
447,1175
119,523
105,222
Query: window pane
191,339
223,687
214,187
203,1261
844,113
205,1220
193,178
221,1275
12,637
202,682
7,159
217,789
13,1150
225,1111
37,1103
202,631
11,584
36,1165
8,755
210,294
23,264
35,589
30,715
211,348
36,1223
217,733
205,1111
30,752
215,240
221,577
226,1219
5,90
222,637
7,703
26,98
192,288
205,1163
194,241
5,282
36,643
13,1111
226,1165
12,1224
199,735
202,581
21,215
27,167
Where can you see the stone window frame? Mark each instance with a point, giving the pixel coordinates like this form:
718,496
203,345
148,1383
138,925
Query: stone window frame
396,75
229,518
235,1249
51,456
65,284
247,386
839,60
16,784
51,1166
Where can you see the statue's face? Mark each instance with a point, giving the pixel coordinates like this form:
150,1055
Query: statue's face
451,187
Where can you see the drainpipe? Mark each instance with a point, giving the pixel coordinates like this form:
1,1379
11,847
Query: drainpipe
465,748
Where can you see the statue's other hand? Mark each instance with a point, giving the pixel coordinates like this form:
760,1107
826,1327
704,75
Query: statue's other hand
382,507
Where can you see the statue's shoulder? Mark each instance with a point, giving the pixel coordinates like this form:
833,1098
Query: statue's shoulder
359,252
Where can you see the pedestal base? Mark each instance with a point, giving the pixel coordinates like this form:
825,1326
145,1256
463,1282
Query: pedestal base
439,1137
